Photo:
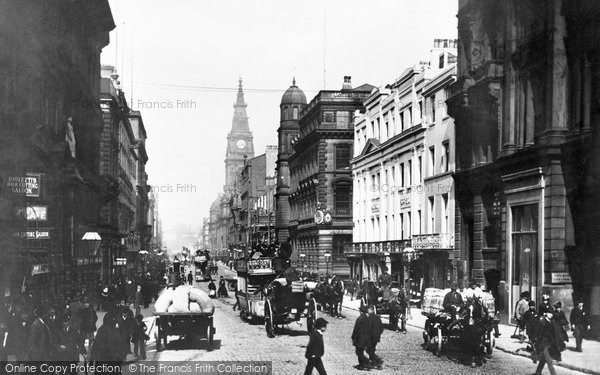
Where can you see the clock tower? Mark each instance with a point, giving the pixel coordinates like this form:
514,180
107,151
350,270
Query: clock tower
240,144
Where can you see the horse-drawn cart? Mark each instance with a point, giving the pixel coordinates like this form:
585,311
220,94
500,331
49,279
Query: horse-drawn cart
188,325
268,295
388,300
470,328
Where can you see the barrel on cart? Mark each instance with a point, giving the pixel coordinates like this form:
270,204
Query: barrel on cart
191,326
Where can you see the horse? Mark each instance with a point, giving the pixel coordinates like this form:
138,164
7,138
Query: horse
475,323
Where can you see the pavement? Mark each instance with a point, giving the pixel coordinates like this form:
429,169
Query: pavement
587,361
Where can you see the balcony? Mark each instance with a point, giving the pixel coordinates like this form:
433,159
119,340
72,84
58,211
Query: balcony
392,247
433,241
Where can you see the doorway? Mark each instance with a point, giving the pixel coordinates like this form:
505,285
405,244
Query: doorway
524,243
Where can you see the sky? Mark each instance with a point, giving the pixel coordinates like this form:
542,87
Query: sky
179,63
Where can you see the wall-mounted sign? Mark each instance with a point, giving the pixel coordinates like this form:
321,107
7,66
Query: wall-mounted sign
120,262
405,202
38,234
28,185
561,278
37,213
38,269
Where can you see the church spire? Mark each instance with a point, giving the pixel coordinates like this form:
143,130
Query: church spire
240,118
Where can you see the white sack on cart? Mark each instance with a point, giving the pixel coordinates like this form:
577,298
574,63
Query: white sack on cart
201,298
164,301
181,299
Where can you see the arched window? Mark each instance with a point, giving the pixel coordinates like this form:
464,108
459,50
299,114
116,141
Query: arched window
285,113
295,113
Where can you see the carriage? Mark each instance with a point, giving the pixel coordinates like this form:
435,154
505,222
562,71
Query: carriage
470,329
201,265
267,295
386,300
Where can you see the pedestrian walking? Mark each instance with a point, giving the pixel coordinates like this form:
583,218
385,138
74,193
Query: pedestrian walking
520,308
361,339
125,322
545,344
375,331
139,337
18,334
38,341
88,324
529,318
579,324
316,349
212,289
68,345
138,300
561,326
222,292
190,278
108,348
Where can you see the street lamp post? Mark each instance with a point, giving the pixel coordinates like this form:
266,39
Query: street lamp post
327,257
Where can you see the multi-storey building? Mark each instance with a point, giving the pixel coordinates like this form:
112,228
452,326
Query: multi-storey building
292,104
50,188
525,106
402,175
320,181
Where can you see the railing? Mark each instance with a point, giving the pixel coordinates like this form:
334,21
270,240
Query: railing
433,241
395,247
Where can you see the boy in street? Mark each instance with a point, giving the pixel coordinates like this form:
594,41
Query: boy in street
375,331
361,339
315,348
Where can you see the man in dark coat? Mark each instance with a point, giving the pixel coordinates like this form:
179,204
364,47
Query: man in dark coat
38,342
222,292
579,324
316,349
545,343
88,323
375,331
125,321
190,278
108,348
361,339
453,302
68,345
529,319
561,326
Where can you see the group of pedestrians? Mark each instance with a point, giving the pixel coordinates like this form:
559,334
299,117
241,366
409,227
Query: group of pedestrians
41,331
145,287
530,322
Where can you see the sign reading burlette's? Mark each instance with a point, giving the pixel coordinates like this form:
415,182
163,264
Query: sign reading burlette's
28,185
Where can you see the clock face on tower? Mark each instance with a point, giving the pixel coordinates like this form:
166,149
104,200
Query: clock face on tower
241,144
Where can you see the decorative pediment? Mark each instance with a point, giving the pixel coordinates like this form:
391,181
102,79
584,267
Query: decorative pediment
371,145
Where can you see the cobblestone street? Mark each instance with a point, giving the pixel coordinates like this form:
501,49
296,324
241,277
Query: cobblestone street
403,354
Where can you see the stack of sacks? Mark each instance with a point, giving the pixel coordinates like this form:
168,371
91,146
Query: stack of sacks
181,300
164,301
433,300
200,301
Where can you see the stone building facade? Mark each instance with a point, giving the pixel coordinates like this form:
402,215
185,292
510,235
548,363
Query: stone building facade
526,110
50,187
320,181
402,176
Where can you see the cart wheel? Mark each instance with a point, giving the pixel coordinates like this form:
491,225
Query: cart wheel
269,320
311,316
490,342
209,338
438,348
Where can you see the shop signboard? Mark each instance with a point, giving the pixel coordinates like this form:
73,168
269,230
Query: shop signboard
29,185
39,269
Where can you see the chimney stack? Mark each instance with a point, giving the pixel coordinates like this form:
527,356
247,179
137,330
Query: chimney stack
347,83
